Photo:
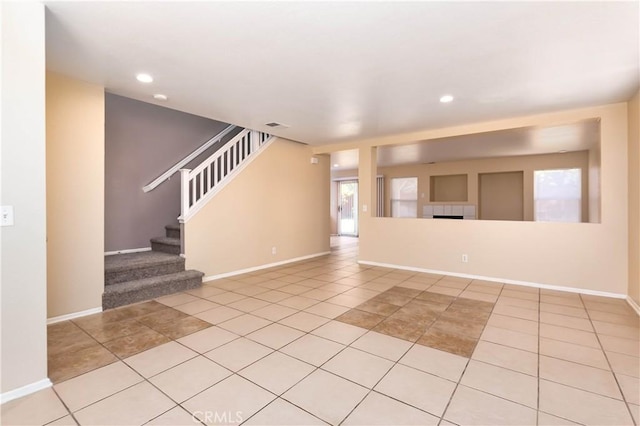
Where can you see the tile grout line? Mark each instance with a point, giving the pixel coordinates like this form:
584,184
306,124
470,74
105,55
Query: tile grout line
458,384
615,377
369,280
371,390
320,367
70,413
538,364
121,359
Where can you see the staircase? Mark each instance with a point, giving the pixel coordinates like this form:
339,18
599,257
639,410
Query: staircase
134,277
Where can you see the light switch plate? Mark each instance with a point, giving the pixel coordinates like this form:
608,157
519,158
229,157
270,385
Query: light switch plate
6,215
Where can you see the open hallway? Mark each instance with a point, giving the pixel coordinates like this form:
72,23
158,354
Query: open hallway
314,342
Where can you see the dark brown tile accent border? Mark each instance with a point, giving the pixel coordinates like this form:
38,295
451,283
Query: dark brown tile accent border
84,344
436,320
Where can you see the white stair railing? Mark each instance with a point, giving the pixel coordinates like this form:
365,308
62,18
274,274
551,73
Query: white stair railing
186,160
200,184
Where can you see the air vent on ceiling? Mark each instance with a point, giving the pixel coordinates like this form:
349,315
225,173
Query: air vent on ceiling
274,124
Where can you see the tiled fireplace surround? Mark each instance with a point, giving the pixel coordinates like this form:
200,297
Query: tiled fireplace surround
329,341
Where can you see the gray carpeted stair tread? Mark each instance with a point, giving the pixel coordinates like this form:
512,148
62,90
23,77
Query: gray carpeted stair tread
172,231
128,292
166,245
151,281
166,240
122,262
134,277
136,266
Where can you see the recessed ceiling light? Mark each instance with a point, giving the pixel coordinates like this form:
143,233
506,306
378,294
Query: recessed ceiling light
160,97
446,99
336,165
144,78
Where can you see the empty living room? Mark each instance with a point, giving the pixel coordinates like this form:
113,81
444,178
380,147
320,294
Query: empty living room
320,213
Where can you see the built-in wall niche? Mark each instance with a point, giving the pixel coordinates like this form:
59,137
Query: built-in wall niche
448,188
501,195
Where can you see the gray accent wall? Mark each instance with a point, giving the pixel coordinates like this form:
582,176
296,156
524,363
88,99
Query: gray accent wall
141,142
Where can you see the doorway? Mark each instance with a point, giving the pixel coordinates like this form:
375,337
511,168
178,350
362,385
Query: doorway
348,208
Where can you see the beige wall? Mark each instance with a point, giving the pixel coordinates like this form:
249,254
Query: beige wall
280,200
23,300
595,200
75,195
333,207
634,198
584,256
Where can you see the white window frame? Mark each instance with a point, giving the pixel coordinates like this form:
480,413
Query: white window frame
401,205
569,206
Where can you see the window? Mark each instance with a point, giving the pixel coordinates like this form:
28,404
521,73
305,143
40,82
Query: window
404,197
557,195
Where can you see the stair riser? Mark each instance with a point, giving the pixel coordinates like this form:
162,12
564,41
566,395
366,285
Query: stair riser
113,300
145,272
165,248
172,233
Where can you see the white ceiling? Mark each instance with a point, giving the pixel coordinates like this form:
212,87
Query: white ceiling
503,143
341,71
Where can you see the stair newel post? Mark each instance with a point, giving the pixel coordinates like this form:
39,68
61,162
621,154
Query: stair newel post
184,192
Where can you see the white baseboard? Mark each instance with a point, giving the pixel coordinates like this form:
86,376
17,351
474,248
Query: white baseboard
74,315
500,280
633,304
258,268
135,250
25,390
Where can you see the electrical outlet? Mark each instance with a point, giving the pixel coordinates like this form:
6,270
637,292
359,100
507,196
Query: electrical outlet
465,258
6,216
274,250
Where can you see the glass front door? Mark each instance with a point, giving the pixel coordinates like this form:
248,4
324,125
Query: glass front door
348,208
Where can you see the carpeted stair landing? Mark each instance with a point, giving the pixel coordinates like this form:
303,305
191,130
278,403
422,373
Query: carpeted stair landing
134,277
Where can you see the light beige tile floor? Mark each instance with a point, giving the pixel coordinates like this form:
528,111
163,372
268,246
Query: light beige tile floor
275,355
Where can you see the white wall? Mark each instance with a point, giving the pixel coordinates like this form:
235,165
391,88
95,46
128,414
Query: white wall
24,268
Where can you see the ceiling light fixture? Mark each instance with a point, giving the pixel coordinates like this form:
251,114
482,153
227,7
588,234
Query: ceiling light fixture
446,99
160,97
336,165
144,78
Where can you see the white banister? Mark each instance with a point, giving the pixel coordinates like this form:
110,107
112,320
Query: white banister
184,185
186,160
201,183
